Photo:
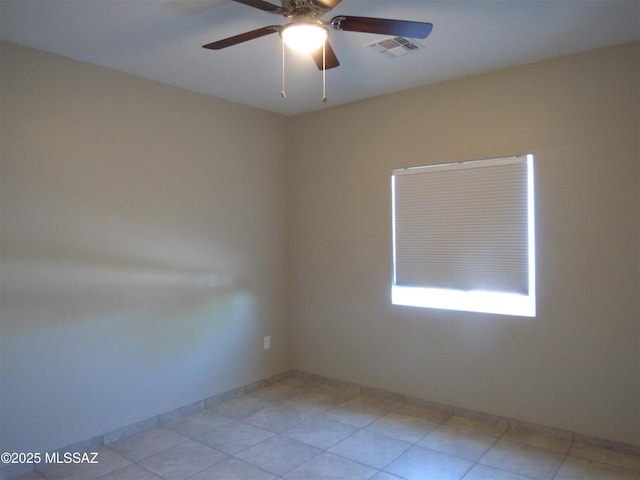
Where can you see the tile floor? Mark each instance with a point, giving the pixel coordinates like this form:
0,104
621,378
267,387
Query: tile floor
299,429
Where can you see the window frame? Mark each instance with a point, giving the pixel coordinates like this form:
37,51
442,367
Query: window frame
482,301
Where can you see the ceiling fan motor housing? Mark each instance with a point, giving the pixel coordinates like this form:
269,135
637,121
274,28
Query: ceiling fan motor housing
296,8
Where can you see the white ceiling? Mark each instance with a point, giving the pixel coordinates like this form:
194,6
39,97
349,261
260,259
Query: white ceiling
162,39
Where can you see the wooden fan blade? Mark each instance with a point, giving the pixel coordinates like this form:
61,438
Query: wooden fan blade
262,5
326,4
384,26
243,37
331,61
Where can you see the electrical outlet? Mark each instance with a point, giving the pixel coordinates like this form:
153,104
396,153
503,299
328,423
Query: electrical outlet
267,342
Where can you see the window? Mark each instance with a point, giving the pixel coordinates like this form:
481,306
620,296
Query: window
463,236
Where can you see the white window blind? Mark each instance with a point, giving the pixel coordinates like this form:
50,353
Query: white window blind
465,227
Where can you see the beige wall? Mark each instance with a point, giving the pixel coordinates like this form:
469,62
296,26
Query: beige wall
143,249
576,365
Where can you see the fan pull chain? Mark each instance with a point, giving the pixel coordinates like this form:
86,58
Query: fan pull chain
283,93
324,72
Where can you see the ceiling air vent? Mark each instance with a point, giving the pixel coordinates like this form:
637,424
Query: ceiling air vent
395,47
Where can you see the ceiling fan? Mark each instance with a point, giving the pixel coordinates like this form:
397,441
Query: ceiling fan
308,32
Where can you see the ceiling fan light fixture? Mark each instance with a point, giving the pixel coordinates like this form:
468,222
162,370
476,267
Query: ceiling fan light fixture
305,37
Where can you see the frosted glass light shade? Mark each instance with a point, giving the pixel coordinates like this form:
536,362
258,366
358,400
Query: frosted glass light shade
304,37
